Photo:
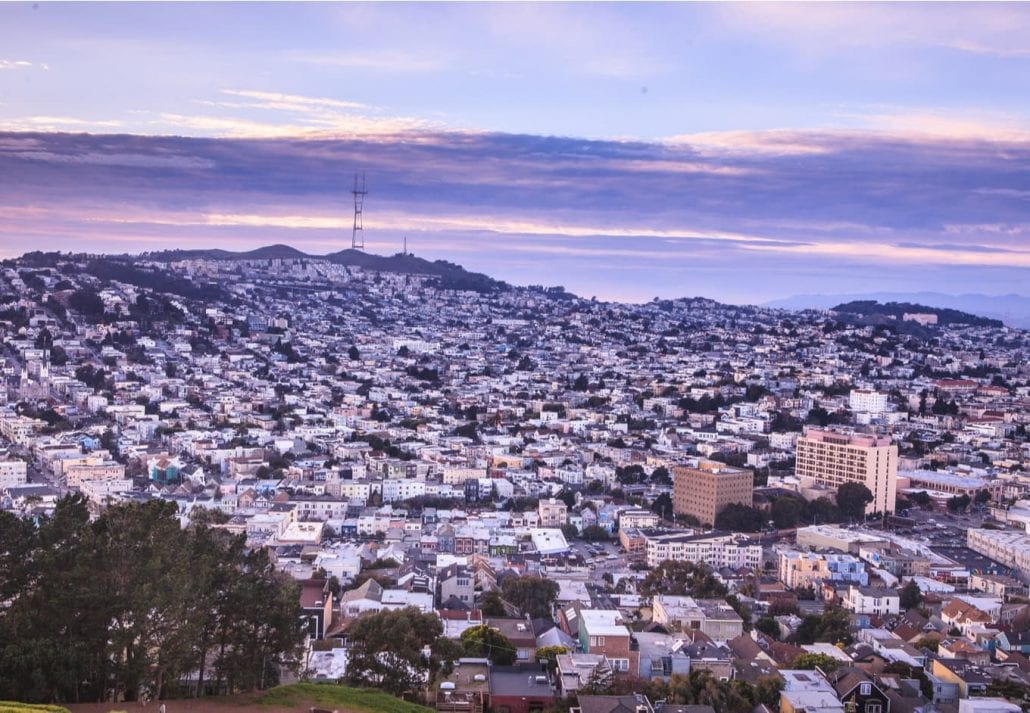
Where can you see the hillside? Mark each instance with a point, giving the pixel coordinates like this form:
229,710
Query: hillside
451,276
897,310
1013,310
294,698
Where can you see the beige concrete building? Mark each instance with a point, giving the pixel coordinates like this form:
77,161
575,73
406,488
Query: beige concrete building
836,458
706,490
553,513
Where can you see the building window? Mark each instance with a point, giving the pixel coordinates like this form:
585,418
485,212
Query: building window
619,664
872,708
864,690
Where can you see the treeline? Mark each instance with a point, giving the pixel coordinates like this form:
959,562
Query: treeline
132,603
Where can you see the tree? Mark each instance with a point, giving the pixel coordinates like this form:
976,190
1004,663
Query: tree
928,642
786,511
599,683
910,596
484,641
491,604
534,596
768,626
740,518
824,662
767,690
852,499
958,503
982,496
386,649
595,533
550,654
662,506
921,498
680,578
353,354
832,626
132,601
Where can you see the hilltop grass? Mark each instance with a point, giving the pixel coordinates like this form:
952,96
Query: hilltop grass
15,707
328,695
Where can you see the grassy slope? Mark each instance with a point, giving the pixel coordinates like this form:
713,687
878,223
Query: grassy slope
360,700
12,707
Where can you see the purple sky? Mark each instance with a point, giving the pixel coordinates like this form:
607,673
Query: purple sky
741,152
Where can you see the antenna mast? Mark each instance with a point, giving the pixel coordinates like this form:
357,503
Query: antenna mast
357,239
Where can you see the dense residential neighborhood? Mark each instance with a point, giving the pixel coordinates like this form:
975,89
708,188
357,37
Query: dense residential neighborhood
574,504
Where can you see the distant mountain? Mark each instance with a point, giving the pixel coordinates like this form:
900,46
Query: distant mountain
269,252
450,276
898,310
1013,310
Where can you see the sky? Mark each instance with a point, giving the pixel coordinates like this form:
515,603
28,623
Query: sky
743,152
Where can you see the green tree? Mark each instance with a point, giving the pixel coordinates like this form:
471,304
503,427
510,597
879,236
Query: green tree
824,662
680,578
852,499
768,626
767,690
550,654
491,604
534,596
484,641
911,596
832,626
958,503
740,518
386,649
786,512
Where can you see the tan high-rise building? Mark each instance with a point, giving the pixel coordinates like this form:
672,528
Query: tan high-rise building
706,490
837,458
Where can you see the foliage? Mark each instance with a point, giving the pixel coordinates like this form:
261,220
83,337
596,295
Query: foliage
533,595
832,626
911,596
928,642
958,503
740,518
823,662
678,578
386,649
491,604
700,687
486,642
852,499
786,512
360,700
768,626
132,601
550,654
595,533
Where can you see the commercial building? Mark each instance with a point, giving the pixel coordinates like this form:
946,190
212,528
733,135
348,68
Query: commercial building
867,401
834,459
13,472
716,549
553,513
1011,549
703,492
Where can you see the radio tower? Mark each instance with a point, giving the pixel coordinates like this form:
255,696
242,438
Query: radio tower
357,239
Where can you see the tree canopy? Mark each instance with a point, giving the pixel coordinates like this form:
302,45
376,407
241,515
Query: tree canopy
387,649
852,499
131,602
533,595
679,578
484,641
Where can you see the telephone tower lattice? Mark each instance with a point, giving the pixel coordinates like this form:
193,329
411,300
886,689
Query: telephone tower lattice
357,240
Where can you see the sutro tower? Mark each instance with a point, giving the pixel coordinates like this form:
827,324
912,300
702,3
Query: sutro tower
357,240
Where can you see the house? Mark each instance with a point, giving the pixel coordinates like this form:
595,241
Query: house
455,586
858,692
1014,641
872,600
520,689
575,670
520,633
808,692
316,601
632,703
466,689
661,655
601,631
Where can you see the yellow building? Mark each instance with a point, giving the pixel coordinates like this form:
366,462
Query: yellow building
834,459
705,491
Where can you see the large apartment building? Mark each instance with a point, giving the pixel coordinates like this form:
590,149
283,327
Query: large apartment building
704,491
836,458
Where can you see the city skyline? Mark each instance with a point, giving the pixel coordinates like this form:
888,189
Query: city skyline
740,152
